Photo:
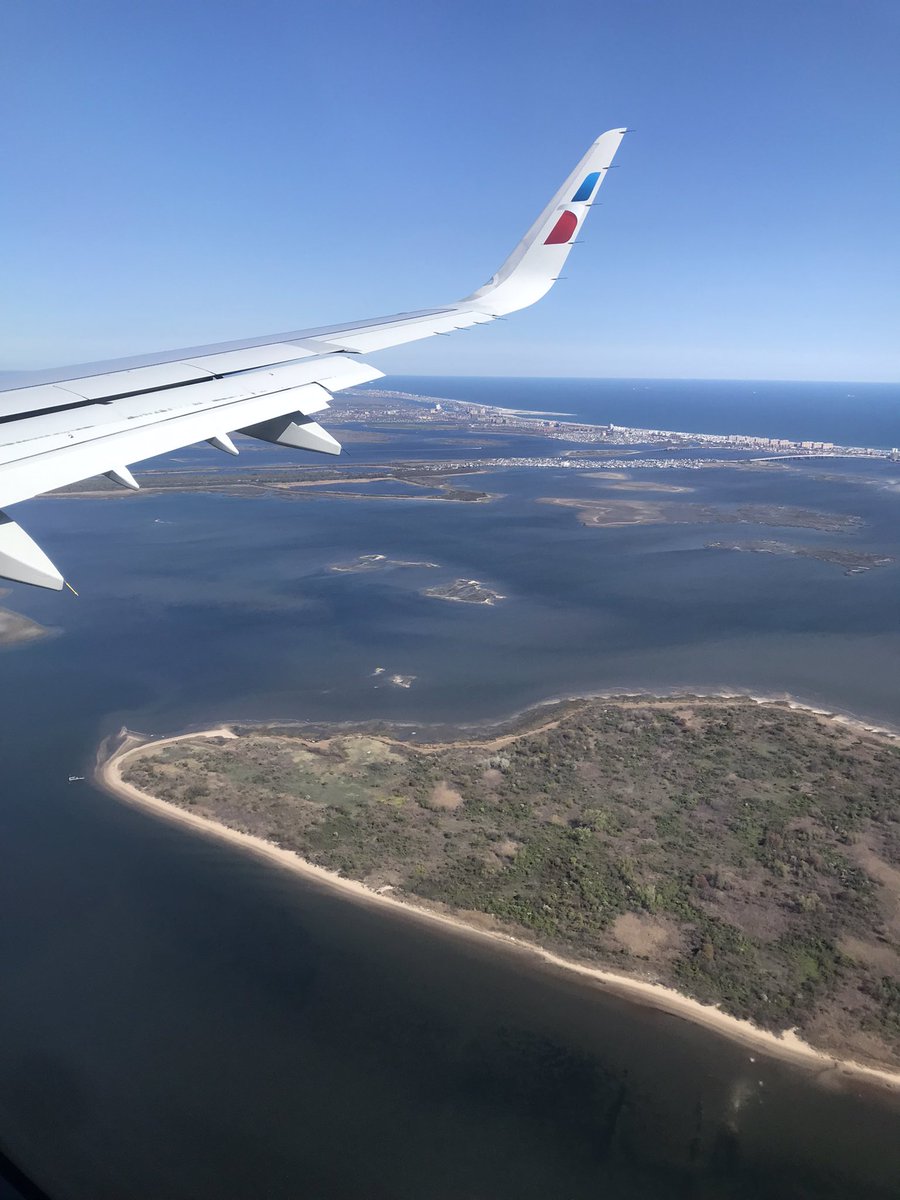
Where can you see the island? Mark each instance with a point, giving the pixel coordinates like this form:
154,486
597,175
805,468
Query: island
599,513
854,562
464,591
375,562
733,860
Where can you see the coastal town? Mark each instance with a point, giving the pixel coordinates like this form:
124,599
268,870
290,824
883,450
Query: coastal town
383,407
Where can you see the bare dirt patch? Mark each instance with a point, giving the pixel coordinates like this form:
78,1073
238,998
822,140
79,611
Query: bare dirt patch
444,797
879,955
645,936
887,876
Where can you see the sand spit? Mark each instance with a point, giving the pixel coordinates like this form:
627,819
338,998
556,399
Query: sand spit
115,753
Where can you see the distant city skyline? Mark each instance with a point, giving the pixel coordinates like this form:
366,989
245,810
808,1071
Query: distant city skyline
180,174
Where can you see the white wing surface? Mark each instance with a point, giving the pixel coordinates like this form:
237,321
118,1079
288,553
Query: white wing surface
59,427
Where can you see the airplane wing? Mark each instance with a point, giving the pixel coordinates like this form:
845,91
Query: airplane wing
59,427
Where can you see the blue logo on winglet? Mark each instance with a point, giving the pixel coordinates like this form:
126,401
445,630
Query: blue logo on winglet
586,189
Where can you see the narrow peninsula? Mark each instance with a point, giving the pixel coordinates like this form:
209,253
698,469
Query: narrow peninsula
734,860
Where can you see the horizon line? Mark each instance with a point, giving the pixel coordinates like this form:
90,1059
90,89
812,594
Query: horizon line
645,379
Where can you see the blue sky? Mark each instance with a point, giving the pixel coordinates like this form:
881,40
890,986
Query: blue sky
178,173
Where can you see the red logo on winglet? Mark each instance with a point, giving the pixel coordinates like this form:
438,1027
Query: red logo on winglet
562,230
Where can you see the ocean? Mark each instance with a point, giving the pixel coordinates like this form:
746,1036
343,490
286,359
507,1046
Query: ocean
848,414
178,1019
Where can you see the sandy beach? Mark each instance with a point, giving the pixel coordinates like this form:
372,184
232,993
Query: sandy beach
787,1046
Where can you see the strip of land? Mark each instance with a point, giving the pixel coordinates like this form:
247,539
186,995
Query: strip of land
423,482
764,904
853,562
17,630
600,513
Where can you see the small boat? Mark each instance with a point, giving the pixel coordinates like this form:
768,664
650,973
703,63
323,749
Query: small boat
76,779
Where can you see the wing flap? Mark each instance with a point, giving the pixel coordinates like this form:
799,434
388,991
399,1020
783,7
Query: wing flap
132,383
100,449
57,430
249,360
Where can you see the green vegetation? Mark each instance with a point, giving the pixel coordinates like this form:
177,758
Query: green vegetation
747,853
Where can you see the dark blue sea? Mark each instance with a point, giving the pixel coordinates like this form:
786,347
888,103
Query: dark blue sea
848,414
178,1019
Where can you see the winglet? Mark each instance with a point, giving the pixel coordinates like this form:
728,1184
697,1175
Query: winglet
535,264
